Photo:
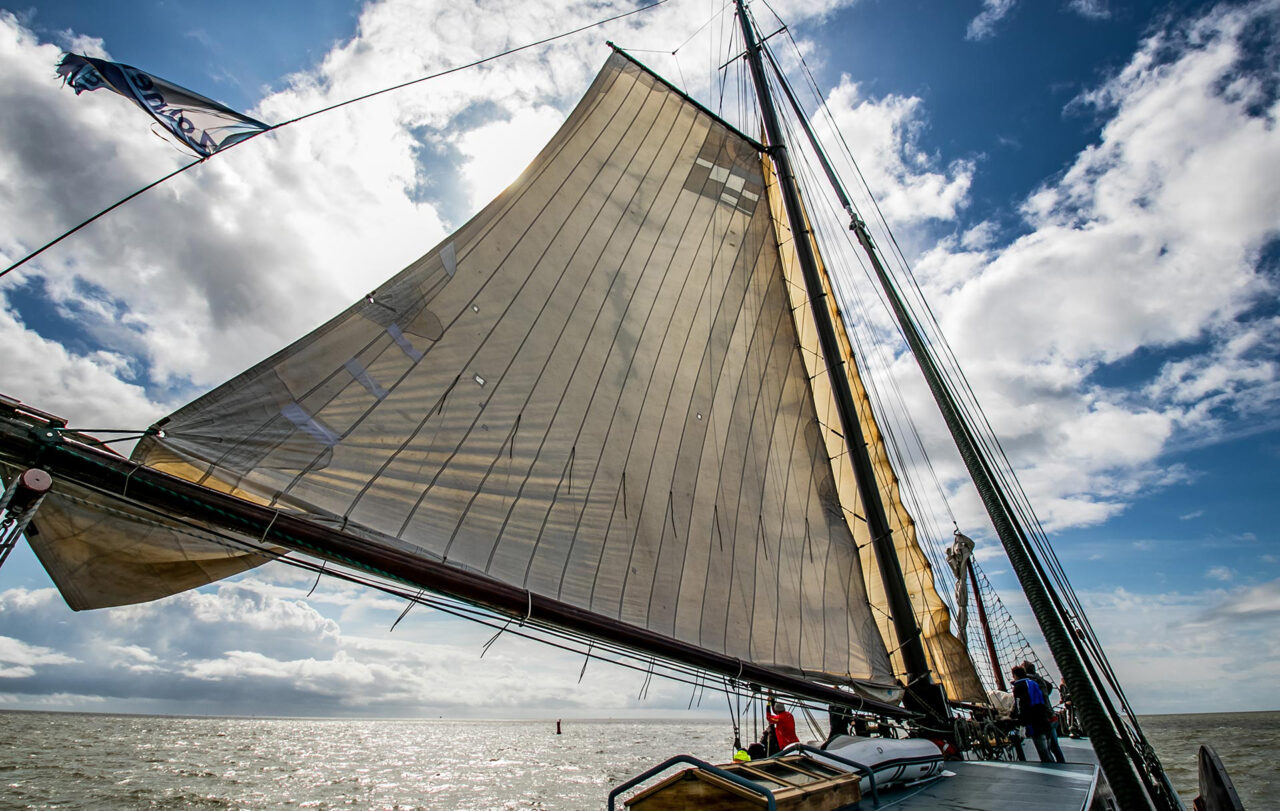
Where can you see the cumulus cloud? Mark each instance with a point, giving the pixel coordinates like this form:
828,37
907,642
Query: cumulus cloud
251,646
911,185
1113,263
190,284
16,652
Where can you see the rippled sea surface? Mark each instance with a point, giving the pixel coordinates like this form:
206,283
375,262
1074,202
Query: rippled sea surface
1247,742
56,760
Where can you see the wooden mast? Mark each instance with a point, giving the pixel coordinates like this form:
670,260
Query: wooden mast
920,688
986,628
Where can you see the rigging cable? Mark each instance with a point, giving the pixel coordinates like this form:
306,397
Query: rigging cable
803,169
1045,565
535,631
320,111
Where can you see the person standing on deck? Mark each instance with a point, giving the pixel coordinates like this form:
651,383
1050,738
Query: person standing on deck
1031,708
1046,688
784,725
840,717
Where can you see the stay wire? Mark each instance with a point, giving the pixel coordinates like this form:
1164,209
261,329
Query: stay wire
893,408
320,111
806,177
106,211
914,431
986,436
817,94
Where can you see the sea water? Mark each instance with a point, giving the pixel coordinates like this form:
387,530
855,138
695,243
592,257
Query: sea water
84,761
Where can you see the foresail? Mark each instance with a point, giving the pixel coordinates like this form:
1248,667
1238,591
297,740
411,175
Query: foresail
103,551
947,657
593,390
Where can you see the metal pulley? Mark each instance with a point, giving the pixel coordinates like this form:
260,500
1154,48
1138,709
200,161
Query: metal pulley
19,504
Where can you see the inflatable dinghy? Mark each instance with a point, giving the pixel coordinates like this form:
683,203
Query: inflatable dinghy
893,760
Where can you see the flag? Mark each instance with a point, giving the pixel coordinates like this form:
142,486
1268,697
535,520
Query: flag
202,125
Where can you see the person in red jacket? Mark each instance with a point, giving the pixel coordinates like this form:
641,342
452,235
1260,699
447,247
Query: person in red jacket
784,725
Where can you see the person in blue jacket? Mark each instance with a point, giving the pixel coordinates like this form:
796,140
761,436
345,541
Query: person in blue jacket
1046,687
1030,707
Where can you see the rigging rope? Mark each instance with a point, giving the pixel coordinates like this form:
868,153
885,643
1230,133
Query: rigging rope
550,636
320,111
956,395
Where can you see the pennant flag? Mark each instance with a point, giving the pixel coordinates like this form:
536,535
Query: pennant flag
201,124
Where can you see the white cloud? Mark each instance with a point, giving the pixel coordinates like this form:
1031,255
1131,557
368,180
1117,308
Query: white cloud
241,647
497,152
16,652
1260,602
911,187
1092,9
188,285
983,26
1223,573
1114,261
1168,646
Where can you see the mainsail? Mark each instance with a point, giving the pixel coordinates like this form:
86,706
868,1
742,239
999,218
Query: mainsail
595,390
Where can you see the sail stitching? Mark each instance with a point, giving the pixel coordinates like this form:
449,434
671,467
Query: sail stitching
715,213
609,433
549,163
743,270
763,356
515,297
573,128
732,302
581,292
644,399
662,347
440,405
755,295
626,374
671,388
750,273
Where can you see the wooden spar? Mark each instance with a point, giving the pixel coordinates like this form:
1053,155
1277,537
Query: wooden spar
904,620
36,441
986,628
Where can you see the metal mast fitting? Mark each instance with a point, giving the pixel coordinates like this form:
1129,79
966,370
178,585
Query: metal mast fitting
18,504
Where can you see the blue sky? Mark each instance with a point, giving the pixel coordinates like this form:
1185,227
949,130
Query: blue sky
1090,189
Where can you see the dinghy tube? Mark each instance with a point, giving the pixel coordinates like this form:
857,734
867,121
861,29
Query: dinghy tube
893,760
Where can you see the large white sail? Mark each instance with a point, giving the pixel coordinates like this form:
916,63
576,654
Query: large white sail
594,390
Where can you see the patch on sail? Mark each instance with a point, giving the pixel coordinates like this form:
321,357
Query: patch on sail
726,173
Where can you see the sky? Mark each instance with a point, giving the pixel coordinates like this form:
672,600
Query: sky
1088,191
